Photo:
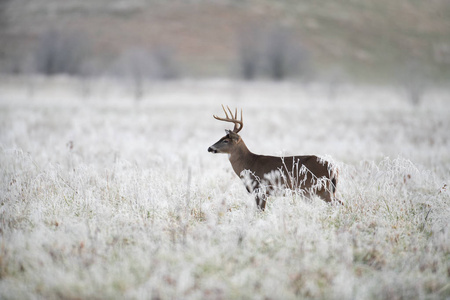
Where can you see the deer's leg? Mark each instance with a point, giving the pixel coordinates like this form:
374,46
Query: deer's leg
324,194
336,200
261,199
327,196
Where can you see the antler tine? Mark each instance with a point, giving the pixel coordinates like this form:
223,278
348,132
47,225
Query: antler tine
221,119
231,113
241,122
226,111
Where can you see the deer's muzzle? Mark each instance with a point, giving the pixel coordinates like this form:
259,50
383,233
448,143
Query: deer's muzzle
210,149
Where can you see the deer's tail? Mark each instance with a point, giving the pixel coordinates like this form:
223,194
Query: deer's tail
334,179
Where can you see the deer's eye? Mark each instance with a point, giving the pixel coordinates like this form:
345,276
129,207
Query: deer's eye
226,141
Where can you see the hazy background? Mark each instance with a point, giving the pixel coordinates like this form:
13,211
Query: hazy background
107,190
402,42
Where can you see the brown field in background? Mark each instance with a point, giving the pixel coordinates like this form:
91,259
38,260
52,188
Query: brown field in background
357,40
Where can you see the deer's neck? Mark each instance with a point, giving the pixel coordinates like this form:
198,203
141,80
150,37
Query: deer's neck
241,158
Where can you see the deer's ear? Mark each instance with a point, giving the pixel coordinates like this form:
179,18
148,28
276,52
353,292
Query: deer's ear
227,131
233,135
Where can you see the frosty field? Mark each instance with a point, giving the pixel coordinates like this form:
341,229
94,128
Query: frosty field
106,197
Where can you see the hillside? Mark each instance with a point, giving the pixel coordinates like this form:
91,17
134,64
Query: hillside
366,40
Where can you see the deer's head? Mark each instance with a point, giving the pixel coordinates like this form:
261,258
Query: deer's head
227,143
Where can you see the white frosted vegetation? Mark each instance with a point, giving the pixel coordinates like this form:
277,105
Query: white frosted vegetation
108,198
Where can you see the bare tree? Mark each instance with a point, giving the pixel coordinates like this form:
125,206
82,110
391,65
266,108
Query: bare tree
272,51
413,79
164,63
4,22
249,53
137,65
284,56
60,52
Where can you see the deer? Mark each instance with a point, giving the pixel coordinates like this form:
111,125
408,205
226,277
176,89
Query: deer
265,175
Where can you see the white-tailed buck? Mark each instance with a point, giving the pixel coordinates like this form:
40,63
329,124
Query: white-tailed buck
264,175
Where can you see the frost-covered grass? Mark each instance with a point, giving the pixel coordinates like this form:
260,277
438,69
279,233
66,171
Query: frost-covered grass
105,197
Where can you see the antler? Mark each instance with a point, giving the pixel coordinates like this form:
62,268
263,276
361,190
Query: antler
237,124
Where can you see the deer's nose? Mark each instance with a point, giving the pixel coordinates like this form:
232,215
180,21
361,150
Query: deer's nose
210,149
